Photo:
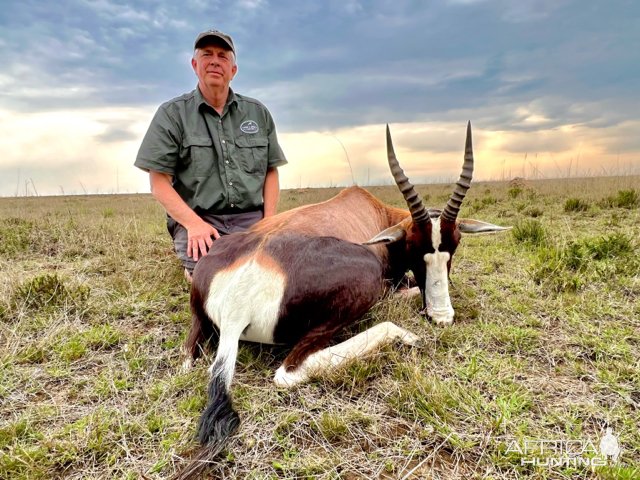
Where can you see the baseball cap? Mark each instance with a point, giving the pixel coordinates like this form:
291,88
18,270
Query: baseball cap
214,34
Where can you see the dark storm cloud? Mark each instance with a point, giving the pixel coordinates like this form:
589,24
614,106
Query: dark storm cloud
324,65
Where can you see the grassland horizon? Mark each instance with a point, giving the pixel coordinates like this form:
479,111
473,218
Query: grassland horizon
29,188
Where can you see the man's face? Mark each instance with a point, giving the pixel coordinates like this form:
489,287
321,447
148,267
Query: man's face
214,66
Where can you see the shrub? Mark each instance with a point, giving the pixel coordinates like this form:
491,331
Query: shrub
475,206
14,236
576,205
529,231
570,267
532,195
514,192
611,246
627,199
559,268
534,212
520,206
623,199
49,291
332,426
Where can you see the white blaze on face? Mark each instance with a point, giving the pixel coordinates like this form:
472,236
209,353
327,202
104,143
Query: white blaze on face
437,287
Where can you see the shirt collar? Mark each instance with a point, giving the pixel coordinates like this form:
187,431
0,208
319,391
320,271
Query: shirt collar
231,99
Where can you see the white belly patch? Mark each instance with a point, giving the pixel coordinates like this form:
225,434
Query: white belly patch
248,294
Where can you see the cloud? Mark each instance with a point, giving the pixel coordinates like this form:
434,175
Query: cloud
529,11
328,65
73,151
621,139
556,78
116,133
94,151
251,4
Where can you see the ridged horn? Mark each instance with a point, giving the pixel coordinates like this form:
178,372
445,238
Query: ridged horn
418,212
450,212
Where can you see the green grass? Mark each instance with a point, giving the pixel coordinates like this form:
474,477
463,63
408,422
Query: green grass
48,290
515,192
623,199
579,263
576,205
530,232
545,344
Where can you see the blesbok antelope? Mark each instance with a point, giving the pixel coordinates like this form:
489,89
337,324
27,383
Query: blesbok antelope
299,277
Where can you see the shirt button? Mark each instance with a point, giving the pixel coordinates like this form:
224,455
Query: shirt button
223,141
232,205
230,183
227,162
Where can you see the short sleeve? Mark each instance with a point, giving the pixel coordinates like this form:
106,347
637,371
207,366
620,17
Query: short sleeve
160,148
276,155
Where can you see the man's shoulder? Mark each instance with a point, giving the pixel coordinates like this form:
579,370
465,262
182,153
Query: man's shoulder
250,101
180,101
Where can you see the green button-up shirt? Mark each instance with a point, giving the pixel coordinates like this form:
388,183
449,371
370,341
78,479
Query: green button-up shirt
218,162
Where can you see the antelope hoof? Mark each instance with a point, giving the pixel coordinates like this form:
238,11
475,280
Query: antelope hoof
443,321
442,317
284,379
411,339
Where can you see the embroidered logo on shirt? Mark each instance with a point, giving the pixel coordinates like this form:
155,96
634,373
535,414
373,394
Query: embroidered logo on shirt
249,126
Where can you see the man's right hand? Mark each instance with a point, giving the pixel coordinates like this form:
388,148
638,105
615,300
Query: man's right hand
199,232
199,239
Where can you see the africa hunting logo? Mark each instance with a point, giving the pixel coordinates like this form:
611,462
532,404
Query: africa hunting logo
249,126
566,453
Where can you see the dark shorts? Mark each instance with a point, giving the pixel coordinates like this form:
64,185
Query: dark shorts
225,224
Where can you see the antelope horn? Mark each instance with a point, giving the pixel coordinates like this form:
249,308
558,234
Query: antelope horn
418,212
450,212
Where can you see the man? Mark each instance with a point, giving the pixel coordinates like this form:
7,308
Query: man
212,155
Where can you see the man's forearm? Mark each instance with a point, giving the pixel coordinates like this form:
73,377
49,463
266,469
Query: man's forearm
163,191
271,192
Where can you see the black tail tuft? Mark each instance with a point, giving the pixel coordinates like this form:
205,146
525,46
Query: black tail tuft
200,462
219,420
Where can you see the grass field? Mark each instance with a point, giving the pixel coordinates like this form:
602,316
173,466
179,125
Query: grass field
545,345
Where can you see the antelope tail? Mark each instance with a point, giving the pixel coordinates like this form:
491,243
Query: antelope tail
200,462
219,420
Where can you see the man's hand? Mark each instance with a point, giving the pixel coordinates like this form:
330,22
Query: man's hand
199,239
199,232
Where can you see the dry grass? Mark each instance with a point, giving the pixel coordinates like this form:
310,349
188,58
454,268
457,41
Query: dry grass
546,342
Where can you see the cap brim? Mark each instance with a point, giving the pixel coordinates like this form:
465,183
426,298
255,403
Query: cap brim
209,39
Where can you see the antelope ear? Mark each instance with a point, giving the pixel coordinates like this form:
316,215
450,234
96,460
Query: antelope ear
467,225
391,234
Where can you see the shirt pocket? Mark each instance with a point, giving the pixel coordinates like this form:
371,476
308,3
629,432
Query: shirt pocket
252,153
199,155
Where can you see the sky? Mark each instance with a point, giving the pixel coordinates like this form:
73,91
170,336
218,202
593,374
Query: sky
552,87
